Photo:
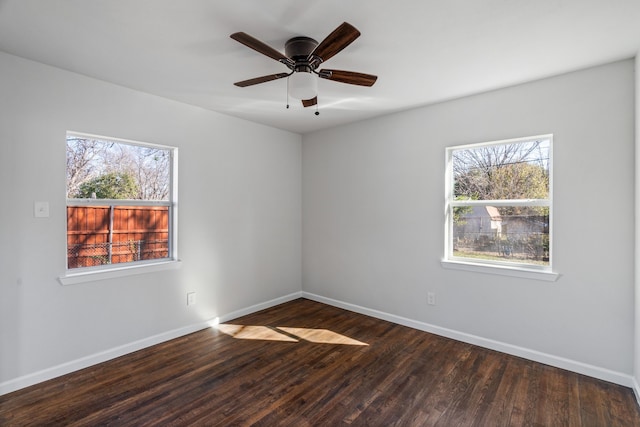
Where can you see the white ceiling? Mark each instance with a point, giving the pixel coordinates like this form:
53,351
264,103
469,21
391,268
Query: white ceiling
423,51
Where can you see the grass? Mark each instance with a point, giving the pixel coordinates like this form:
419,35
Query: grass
492,256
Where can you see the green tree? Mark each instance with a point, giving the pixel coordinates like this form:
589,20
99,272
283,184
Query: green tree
519,181
111,185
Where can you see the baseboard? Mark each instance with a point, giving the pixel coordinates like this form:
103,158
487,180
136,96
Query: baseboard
548,359
94,359
260,306
636,389
104,356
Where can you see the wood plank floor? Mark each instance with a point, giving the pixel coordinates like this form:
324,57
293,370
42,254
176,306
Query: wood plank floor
307,364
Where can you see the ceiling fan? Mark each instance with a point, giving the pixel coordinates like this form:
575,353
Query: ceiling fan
303,56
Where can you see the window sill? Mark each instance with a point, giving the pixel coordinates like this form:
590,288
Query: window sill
129,270
524,273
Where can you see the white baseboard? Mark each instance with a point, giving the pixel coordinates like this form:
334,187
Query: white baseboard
548,359
103,356
636,389
94,359
260,306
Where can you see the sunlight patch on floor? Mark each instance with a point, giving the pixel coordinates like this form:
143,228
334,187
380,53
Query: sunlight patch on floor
324,336
287,334
250,332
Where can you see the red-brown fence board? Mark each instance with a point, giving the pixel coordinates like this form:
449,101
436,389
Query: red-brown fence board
139,232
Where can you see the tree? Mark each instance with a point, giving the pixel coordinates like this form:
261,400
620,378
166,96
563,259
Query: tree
511,181
151,166
82,154
112,185
89,159
503,172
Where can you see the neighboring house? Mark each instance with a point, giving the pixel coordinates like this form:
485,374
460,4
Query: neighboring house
487,221
480,221
484,229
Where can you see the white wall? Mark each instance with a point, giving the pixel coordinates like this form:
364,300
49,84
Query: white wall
239,218
373,218
372,208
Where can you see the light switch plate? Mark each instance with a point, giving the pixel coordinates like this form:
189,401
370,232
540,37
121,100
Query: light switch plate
41,209
191,298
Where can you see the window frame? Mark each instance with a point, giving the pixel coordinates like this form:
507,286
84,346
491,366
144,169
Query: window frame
99,272
508,268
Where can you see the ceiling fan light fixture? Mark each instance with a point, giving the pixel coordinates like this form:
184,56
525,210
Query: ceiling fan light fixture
303,85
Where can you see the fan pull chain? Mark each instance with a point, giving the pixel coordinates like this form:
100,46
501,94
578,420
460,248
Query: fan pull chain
287,93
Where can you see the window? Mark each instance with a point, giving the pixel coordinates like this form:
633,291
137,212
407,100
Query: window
499,204
120,203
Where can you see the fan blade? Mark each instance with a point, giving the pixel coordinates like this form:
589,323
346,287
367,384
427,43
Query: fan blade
310,102
340,38
349,77
262,79
259,46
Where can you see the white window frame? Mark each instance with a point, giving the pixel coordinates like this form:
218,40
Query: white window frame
88,274
522,270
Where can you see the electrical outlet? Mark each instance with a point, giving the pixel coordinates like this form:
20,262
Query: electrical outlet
191,298
431,298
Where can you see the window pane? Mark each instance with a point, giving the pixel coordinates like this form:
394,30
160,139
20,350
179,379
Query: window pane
103,235
511,171
508,233
104,169
102,229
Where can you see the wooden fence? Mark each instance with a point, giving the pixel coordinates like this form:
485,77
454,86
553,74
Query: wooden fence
98,235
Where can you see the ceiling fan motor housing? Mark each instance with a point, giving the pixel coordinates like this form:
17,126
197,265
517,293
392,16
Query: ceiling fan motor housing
299,48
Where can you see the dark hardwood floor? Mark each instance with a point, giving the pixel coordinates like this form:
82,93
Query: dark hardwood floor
307,364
